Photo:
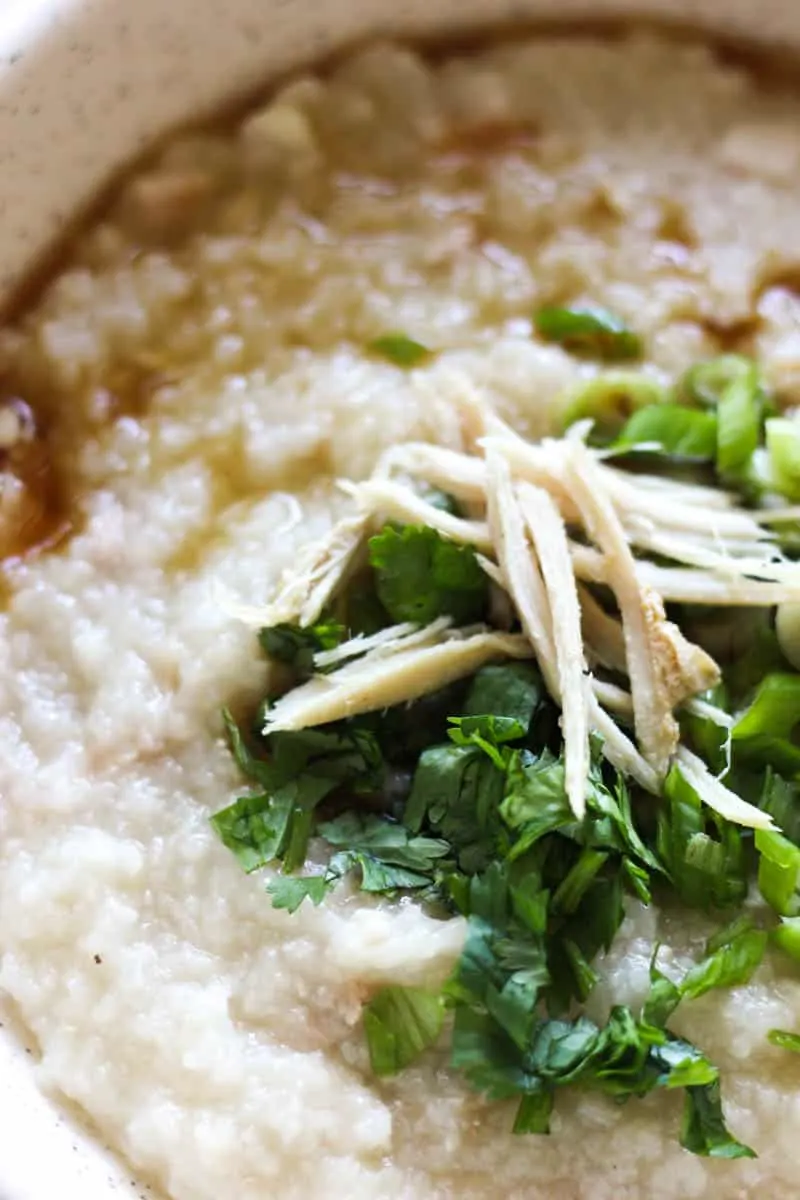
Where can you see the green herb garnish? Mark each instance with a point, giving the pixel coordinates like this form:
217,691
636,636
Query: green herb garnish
594,332
458,800
400,349
419,576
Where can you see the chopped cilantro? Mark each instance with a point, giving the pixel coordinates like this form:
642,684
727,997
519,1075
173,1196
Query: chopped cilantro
703,1130
297,646
420,576
458,800
401,1022
289,891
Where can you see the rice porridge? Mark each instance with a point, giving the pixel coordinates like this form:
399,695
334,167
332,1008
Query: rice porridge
194,381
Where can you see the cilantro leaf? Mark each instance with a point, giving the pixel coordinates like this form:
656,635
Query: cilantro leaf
419,576
588,330
703,1130
267,826
499,708
389,856
399,349
457,790
535,801
289,891
264,773
296,645
401,1022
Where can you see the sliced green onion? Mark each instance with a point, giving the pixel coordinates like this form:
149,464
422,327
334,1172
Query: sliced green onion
593,332
787,937
783,445
705,382
778,872
400,349
739,415
784,1039
670,429
610,398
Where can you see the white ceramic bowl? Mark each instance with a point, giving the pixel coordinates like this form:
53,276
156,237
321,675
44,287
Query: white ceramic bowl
84,84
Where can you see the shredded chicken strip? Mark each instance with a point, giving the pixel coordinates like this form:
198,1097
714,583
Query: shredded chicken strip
535,465
385,641
620,750
381,681
683,668
656,728
768,516
549,539
612,697
307,587
521,576
602,633
461,475
717,796
684,585
691,554
668,508
679,491
398,502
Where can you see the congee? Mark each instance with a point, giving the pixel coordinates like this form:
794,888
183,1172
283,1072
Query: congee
401,633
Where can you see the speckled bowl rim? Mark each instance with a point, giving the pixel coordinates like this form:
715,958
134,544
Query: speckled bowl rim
84,86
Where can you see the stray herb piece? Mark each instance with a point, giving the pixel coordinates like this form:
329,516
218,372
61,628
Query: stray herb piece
400,349
594,332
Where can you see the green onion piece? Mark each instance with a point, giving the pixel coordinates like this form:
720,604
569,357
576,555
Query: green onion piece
670,429
783,445
739,415
787,936
775,709
609,399
399,349
763,734
593,332
778,872
705,382
786,1041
